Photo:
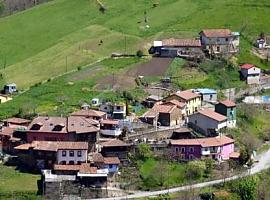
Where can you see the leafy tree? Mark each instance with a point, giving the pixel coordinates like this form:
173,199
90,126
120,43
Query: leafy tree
145,151
246,189
209,163
2,6
195,169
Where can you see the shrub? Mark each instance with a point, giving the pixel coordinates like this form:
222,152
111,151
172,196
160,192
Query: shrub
79,68
139,53
195,169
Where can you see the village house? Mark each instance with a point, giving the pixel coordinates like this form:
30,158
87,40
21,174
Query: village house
110,127
184,48
228,109
218,148
115,148
182,133
192,100
208,95
63,129
44,154
89,113
151,100
180,105
163,115
207,122
17,123
218,42
114,110
8,140
250,73
263,42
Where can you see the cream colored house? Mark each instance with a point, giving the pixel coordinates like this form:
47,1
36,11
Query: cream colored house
192,100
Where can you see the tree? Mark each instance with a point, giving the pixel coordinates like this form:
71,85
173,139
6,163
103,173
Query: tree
209,163
246,188
145,151
2,6
195,169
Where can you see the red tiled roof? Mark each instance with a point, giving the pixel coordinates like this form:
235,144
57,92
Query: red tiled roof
175,102
204,142
187,95
48,124
234,155
16,120
160,108
53,145
181,42
247,66
86,169
66,167
81,125
110,121
217,32
97,158
213,115
111,160
89,113
7,131
114,143
228,103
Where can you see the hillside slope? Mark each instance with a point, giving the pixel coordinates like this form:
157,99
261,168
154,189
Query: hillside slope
59,36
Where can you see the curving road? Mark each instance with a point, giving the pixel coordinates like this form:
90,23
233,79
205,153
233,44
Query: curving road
263,162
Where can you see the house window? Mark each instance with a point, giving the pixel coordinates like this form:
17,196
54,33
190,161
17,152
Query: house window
191,149
110,166
71,162
118,107
182,157
64,153
176,149
71,153
227,39
79,153
63,163
211,96
183,149
191,157
218,49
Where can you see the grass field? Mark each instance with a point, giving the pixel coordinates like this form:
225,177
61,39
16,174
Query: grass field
59,36
64,94
17,185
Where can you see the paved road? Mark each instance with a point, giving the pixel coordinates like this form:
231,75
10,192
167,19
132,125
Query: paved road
262,164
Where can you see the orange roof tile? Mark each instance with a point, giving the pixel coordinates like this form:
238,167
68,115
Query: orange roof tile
217,32
235,155
114,143
16,120
228,103
247,66
7,131
187,95
204,142
175,102
181,42
53,145
213,115
111,160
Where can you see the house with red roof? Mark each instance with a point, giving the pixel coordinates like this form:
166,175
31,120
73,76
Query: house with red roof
250,73
167,114
44,154
207,122
220,41
72,128
110,127
185,48
218,148
192,100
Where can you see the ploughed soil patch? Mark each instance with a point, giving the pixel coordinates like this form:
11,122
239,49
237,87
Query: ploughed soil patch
155,67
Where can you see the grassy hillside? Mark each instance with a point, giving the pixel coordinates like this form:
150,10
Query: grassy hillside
59,36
